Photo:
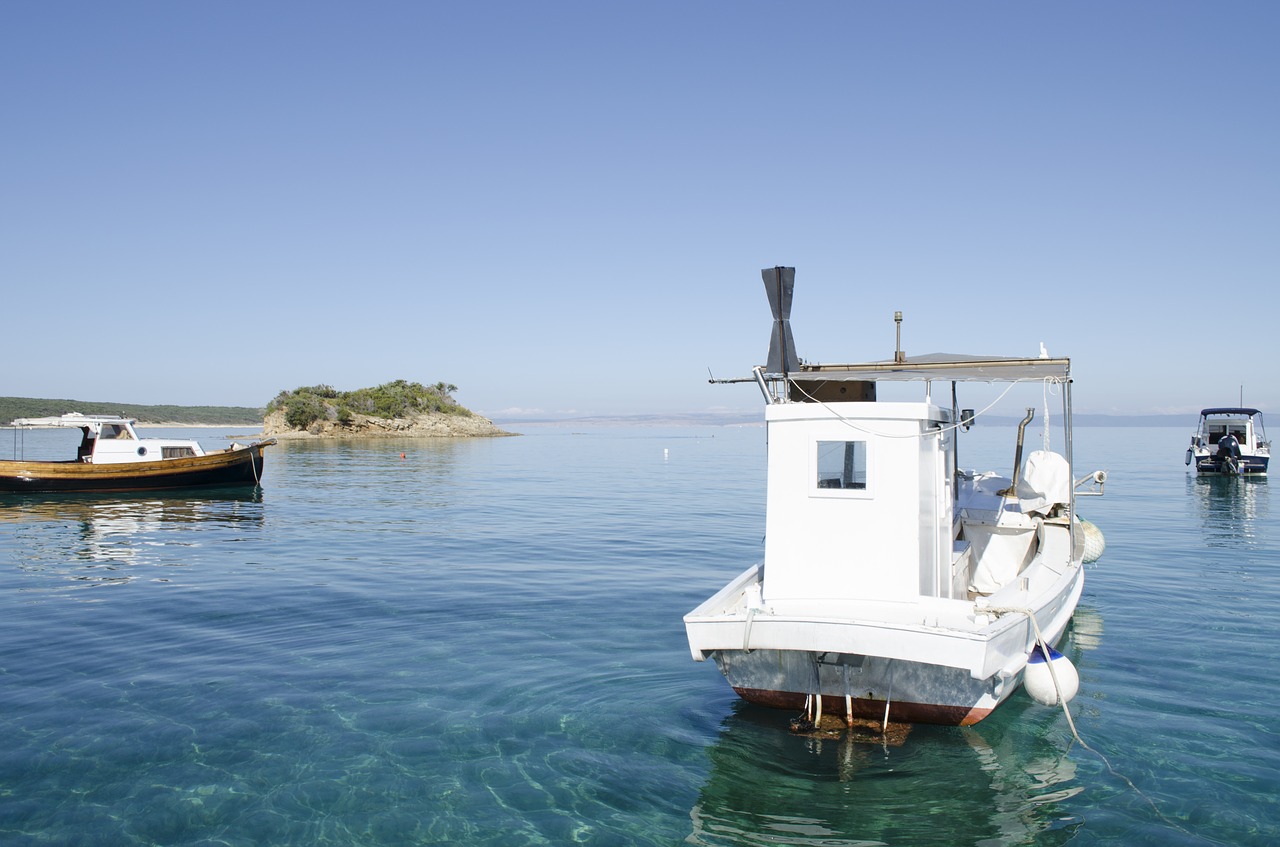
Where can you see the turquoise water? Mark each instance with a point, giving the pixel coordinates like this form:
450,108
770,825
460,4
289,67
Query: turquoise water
481,643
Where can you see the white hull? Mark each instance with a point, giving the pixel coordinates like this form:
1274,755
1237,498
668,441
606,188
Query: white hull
931,662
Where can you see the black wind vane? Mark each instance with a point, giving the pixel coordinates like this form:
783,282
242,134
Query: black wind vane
780,282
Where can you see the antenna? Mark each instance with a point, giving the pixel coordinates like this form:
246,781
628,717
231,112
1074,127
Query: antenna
898,356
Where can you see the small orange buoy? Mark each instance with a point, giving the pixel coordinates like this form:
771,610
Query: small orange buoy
401,455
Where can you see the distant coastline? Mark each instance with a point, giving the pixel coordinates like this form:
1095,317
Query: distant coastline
12,408
220,416
757,419
256,425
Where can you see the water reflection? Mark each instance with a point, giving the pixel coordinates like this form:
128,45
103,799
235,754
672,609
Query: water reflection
1083,633
943,785
401,471
1004,781
1230,508
103,540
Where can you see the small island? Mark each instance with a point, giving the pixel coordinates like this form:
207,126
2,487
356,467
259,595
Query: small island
397,409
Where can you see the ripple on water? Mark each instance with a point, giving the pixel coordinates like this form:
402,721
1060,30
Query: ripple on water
481,643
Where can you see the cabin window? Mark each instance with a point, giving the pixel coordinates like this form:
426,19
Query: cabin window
842,465
176,452
114,431
1235,429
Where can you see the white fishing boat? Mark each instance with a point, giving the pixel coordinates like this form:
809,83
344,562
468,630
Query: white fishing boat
1230,441
896,586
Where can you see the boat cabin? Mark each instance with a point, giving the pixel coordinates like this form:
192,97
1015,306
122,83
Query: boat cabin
865,500
1217,424
110,439
839,477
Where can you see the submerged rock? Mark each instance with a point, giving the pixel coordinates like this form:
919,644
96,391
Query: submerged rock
861,730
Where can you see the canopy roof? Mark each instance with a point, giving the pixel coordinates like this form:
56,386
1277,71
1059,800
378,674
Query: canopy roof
1229,410
72,419
954,367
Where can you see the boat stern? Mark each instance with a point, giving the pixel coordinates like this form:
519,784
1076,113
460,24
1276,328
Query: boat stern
723,621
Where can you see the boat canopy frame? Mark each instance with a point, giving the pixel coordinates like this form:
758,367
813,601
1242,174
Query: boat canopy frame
71,419
1230,410
1255,415
941,366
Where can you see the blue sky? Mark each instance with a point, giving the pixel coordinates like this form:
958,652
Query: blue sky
563,208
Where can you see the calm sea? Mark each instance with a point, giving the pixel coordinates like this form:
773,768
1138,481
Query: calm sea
480,642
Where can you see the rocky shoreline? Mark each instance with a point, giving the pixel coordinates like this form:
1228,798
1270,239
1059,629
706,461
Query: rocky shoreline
426,425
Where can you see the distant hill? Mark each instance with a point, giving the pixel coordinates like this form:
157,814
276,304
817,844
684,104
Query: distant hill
749,418
30,407
1187,422
27,407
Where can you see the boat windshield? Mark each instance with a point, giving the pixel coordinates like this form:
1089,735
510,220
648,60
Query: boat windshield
115,431
1219,429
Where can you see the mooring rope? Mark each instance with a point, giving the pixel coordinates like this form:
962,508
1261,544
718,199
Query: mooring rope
1044,645
884,727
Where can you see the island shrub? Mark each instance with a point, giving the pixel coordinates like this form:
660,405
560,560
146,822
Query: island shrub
302,410
396,399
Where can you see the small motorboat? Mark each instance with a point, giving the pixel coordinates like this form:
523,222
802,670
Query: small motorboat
896,586
1230,441
112,457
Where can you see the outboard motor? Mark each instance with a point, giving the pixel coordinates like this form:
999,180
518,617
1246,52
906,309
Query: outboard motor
1228,453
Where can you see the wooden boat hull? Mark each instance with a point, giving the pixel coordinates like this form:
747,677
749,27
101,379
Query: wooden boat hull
231,467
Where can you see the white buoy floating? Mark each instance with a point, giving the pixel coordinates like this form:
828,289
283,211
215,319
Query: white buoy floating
1038,679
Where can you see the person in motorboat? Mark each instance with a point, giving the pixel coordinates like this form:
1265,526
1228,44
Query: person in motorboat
1228,452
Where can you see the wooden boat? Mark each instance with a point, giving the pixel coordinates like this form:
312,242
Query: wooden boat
112,457
896,586
1230,441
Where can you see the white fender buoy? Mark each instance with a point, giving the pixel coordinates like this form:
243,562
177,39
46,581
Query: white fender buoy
1038,680
1094,543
